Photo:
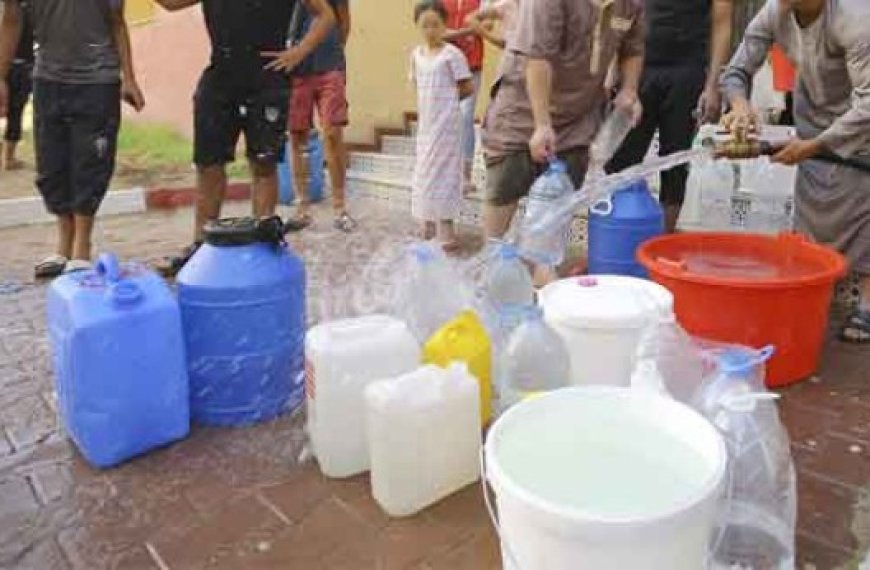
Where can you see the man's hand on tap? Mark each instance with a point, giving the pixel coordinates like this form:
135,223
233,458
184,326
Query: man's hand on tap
741,120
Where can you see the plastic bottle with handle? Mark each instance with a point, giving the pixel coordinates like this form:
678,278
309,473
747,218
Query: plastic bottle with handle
546,248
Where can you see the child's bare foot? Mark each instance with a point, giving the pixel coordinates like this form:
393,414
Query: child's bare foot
451,247
13,164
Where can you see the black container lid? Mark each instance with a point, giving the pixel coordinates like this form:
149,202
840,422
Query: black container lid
230,232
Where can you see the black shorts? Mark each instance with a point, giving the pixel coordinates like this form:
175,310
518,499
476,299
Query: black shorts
224,109
76,132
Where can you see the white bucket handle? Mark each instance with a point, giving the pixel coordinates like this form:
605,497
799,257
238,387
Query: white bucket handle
490,509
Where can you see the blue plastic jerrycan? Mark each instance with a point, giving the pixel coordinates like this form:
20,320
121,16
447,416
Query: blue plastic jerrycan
314,158
119,363
618,226
242,298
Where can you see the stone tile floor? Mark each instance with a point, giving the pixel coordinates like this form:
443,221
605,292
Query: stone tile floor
243,499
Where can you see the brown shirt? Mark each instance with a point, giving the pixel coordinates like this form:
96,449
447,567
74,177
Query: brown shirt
579,38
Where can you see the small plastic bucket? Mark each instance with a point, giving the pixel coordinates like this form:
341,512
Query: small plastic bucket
605,478
752,290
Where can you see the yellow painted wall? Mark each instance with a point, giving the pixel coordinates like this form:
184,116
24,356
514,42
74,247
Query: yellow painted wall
138,11
382,36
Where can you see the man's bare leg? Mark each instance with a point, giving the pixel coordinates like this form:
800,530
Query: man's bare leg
864,283
299,142
66,232
211,182
10,159
83,229
336,163
497,219
672,216
265,188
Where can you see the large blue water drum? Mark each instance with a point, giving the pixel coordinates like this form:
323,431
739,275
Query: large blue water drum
119,363
314,162
242,298
616,233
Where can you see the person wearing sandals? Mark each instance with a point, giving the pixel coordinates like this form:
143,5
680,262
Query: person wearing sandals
319,84
244,90
440,74
829,42
83,70
20,84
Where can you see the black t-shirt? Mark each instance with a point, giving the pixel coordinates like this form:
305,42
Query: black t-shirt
677,31
240,29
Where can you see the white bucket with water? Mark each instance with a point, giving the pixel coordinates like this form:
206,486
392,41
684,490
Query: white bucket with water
601,319
604,478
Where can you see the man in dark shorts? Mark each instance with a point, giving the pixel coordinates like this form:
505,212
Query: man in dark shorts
687,44
20,86
245,89
83,69
320,83
550,95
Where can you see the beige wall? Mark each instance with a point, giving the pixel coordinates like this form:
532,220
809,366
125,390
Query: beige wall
172,49
381,41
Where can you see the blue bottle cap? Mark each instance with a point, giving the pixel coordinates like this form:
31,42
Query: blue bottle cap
423,252
740,361
557,167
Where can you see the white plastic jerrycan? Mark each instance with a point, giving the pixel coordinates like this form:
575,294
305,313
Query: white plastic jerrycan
342,358
424,437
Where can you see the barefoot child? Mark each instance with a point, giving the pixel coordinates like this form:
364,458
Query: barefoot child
442,78
20,86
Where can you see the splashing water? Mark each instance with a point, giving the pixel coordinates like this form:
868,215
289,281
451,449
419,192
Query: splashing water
599,189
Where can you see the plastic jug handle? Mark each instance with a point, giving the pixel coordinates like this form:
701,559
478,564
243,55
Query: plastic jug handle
109,268
602,207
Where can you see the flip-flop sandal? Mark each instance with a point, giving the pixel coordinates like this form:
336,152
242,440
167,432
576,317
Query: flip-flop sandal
172,265
856,330
345,223
77,265
451,247
50,267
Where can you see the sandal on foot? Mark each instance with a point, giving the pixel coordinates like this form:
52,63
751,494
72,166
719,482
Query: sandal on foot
451,247
297,224
50,267
172,265
344,223
77,265
857,328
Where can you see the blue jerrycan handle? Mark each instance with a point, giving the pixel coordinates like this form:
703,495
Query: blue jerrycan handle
121,292
109,268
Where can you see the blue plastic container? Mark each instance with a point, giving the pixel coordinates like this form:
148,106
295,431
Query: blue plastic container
616,232
119,363
242,298
314,155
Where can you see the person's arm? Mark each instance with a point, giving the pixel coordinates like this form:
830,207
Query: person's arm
175,5
736,80
710,105
342,19
630,67
130,92
323,19
461,73
10,32
539,36
481,22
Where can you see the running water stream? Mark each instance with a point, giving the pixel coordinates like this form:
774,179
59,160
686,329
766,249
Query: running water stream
600,188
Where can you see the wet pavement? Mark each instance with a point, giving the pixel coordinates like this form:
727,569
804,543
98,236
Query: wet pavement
248,498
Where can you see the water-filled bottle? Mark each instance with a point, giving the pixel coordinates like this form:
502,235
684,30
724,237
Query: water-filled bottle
509,285
546,246
616,127
537,360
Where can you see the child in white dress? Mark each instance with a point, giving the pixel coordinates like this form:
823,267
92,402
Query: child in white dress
441,75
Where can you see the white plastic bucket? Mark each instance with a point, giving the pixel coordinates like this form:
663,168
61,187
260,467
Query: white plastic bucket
604,478
601,319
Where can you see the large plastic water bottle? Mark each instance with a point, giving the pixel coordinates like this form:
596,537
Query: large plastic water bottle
509,284
433,294
537,360
546,246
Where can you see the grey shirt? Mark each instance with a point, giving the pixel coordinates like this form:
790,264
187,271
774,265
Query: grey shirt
75,41
832,56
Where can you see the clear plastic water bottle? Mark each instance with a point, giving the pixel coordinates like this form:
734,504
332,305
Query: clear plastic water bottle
536,360
546,245
508,281
616,127
434,292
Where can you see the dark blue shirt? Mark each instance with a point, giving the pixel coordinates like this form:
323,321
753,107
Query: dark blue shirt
328,56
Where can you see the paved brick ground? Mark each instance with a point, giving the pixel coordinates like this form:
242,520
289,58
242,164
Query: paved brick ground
242,498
